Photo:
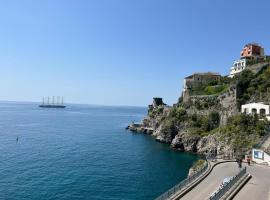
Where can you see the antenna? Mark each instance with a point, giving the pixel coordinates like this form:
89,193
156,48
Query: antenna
48,100
62,100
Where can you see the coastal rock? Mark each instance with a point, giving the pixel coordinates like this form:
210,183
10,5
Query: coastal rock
165,135
191,172
183,141
207,145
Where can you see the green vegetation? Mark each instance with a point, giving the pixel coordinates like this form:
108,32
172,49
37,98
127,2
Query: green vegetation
199,117
209,90
253,62
153,112
215,87
204,103
250,85
198,164
202,125
242,131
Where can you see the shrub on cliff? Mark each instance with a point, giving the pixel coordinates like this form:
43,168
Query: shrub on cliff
178,113
242,131
253,86
202,124
198,165
214,90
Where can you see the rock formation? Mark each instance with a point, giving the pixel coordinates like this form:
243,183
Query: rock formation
201,124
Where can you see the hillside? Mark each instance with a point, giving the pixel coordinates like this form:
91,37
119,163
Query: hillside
208,120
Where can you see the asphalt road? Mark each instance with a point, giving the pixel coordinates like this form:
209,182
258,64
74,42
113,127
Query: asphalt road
258,186
211,183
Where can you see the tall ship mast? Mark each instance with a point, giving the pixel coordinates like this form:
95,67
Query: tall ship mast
52,102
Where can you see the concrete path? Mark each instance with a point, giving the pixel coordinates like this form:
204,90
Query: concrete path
258,186
211,183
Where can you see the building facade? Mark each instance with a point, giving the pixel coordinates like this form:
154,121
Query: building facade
238,66
199,79
252,51
256,108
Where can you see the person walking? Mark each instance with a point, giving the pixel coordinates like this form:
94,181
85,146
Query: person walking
239,162
248,160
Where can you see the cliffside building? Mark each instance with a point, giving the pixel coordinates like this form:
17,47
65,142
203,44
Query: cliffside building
256,108
199,79
251,51
238,66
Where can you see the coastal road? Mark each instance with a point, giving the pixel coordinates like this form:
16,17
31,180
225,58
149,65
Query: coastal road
258,186
211,183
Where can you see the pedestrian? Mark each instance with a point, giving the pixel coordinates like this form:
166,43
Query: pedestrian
248,160
239,162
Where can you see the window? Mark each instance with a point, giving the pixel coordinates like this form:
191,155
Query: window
254,111
262,111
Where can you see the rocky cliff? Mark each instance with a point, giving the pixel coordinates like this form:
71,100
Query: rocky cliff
207,124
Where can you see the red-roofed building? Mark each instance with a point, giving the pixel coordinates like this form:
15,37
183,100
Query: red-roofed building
252,51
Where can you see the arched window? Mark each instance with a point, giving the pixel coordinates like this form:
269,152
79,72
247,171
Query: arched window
262,111
254,111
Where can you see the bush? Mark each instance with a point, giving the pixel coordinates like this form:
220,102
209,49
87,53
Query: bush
243,131
198,164
202,125
179,113
211,90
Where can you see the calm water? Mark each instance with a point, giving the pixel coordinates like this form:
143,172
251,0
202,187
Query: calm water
82,152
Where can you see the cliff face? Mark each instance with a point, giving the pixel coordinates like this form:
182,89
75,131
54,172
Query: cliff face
177,130
210,124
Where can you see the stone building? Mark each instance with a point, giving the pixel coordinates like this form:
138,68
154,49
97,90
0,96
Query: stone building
199,79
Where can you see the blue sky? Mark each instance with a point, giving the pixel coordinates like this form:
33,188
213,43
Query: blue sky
120,52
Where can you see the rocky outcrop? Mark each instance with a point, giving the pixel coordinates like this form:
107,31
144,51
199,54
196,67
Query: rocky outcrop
177,134
184,142
224,103
188,125
151,124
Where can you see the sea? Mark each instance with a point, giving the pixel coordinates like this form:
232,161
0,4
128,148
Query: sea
83,152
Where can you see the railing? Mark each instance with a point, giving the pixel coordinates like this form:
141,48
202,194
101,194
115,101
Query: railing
183,184
222,191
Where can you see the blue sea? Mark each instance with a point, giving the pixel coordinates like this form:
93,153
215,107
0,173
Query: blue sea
83,152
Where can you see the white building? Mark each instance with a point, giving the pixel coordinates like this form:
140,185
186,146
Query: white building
260,157
238,66
256,108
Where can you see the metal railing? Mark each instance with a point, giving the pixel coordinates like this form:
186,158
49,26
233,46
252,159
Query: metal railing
183,184
222,191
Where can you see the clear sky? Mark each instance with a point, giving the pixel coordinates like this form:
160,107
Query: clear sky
120,52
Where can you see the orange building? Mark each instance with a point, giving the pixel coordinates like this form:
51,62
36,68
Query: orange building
252,51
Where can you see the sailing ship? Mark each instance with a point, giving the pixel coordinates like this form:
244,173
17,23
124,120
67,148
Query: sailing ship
52,103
